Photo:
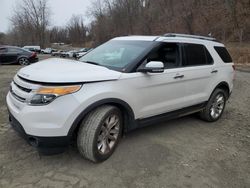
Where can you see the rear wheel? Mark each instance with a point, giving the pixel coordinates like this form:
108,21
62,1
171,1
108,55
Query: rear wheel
215,106
100,133
23,61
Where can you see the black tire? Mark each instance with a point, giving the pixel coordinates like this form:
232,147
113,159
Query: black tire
91,133
206,114
23,61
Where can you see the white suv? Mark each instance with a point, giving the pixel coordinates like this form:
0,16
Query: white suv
126,83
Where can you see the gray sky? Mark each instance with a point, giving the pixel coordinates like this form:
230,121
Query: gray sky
61,11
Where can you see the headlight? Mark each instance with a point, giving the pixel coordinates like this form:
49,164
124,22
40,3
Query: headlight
42,99
46,95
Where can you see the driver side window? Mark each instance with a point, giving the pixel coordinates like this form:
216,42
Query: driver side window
168,54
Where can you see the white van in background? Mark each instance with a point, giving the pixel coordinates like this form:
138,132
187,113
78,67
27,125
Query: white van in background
33,48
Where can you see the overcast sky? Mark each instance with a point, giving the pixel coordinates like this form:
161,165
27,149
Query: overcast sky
61,11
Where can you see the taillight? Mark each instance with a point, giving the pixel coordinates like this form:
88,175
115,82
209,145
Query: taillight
233,67
234,73
33,54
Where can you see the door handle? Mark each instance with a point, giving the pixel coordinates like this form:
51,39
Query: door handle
178,76
214,71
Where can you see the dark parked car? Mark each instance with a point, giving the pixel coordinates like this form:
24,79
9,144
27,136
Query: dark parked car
15,55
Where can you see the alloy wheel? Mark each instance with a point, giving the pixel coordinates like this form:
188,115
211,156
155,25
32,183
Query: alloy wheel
108,135
217,106
23,61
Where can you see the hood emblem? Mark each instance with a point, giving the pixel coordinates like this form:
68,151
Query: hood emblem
24,75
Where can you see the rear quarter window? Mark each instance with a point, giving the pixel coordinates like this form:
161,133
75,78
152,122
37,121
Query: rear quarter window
223,53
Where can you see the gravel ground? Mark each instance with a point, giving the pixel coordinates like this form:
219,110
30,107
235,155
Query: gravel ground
185,152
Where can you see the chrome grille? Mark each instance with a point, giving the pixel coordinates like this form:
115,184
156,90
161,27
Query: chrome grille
21,89
16,96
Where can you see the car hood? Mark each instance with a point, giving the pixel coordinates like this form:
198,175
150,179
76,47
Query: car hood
56,70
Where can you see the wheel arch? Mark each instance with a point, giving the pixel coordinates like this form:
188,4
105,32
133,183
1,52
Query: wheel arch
128,114
21,56
224,86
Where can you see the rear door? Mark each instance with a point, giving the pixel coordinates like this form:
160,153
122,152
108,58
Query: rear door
198,70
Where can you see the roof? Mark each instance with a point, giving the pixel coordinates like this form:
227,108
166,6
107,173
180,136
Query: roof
137,37
6,46
172,37
189,36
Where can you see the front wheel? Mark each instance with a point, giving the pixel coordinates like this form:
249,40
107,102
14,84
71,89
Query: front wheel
100,133
215,106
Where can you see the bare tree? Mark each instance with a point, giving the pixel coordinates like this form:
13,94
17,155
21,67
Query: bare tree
239,12
76,30
227,20
31,20
2,38
59,34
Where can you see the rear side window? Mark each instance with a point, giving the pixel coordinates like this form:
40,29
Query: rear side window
15,50
223,53
3,50
196,54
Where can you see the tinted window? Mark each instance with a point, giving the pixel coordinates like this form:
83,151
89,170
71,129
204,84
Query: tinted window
14,50
223,53
168,54
208,56
196,54
3,50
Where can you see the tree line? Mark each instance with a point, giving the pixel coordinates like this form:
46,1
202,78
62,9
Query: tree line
31,25
227,20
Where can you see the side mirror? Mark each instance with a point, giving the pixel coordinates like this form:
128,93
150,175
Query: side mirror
152,67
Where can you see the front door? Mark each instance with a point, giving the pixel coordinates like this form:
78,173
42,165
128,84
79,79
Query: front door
158,93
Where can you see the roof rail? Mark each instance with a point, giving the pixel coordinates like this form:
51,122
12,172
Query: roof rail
189,36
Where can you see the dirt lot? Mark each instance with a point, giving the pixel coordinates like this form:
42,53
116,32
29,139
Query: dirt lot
186,152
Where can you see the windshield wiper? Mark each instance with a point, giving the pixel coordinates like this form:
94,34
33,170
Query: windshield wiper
91,62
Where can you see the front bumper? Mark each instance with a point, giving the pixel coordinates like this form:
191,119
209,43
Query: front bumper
44,145
52,120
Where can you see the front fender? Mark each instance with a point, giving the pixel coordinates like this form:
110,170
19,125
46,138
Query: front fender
129,117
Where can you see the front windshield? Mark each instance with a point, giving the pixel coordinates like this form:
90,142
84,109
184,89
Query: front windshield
116,54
